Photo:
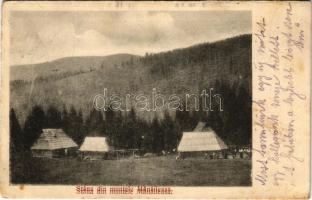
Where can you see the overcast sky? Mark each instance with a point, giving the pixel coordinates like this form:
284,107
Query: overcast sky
43,36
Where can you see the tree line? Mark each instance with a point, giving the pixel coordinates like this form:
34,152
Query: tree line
127,131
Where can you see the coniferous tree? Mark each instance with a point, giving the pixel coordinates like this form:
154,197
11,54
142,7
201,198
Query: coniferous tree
157,136
147,141
141,131
185,119
81,130
73,125
95,122
114,129
65,120
110,124
34,123
16,135
169,132
244,116
53,118
130,129
72,119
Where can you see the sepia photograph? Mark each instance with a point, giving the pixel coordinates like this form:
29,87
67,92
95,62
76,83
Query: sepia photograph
130,97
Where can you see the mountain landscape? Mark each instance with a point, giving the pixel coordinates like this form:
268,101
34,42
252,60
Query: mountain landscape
74,81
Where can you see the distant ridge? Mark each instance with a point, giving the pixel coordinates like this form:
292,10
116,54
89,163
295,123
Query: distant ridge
65,65
77,57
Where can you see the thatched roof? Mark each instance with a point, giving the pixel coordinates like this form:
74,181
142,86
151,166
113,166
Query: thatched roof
52,139
96,144
201,139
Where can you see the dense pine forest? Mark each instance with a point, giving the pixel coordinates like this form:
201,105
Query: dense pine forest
126,130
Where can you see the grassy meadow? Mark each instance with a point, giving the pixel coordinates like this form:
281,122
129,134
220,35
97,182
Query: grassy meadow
162,170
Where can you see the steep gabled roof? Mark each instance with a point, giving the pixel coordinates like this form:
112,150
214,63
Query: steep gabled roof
201,139
52,139
96,144
200,126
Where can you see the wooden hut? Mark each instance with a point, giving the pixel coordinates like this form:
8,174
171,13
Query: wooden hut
94,148
202,141
53,143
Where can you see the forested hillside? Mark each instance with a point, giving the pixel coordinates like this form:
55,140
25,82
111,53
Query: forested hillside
60,94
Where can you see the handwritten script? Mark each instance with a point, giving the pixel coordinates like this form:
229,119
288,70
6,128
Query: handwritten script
274,107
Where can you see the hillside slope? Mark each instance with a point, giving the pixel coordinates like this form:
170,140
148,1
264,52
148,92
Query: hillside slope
75,81
68,65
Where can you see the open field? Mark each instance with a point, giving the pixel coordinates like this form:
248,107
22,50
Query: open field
163,170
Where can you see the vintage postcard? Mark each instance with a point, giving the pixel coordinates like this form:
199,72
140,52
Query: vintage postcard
155,99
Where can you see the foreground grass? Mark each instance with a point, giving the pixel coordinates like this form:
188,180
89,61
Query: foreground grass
145,171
